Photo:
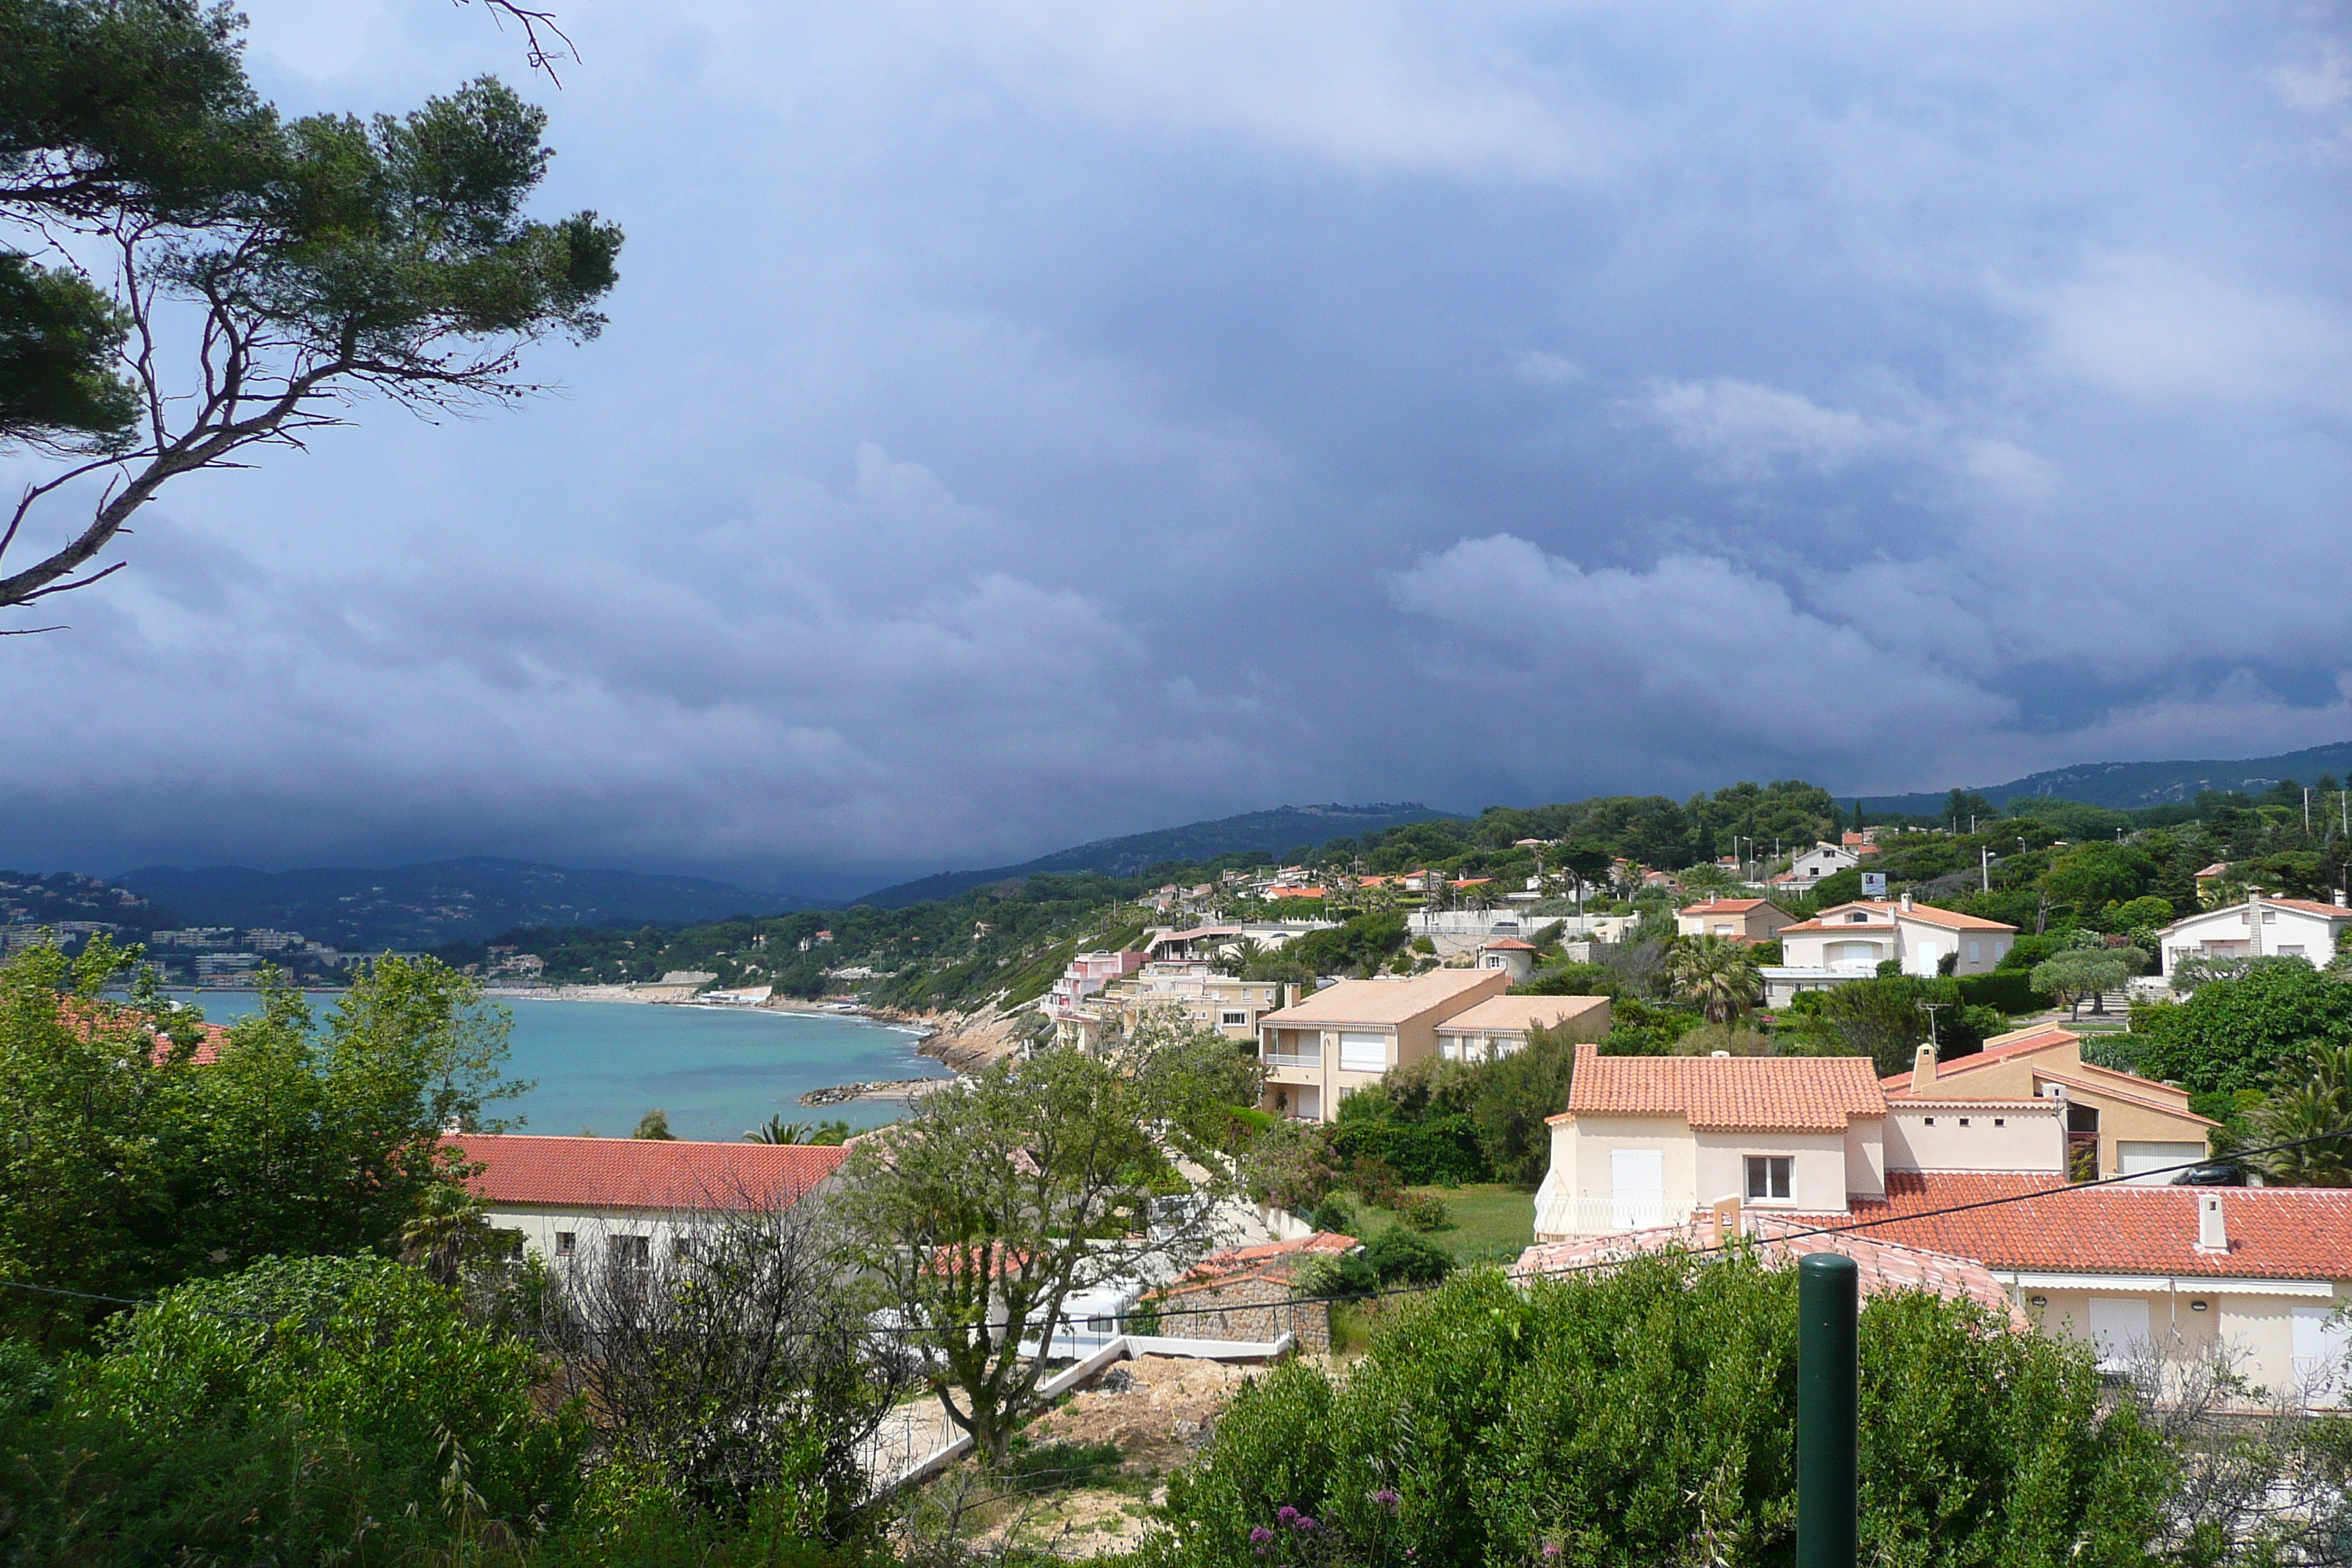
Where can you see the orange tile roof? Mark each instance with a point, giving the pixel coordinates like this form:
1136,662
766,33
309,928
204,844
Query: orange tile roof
2313,906
1808,1094
1892,911
1999,1048
1386,1001
1511,945
1884,1266
2275,1233
86,1016
642,1172
1723,907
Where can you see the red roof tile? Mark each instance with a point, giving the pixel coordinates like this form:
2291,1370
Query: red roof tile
2279,1233
1814,1094
642,1172
1884,1266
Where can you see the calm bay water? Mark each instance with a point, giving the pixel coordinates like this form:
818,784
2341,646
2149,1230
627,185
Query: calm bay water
717,1071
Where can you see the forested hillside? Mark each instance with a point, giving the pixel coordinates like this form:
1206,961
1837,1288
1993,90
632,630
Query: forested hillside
2047,864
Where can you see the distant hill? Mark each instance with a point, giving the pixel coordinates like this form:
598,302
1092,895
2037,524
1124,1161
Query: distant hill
2124,786
1269,832
409,907
52,897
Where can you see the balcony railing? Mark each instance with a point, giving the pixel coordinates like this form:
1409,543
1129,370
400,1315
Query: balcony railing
1293,1059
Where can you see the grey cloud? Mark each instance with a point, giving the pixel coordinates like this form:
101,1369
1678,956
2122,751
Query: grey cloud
1026,421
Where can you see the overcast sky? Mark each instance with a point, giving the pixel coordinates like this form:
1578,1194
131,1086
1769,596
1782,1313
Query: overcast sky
1027,420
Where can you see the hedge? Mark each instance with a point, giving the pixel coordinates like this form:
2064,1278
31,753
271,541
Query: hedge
2010,989
1421,1152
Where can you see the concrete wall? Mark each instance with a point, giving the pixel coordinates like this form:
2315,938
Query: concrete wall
1244,1308
1818,1177
2025,1135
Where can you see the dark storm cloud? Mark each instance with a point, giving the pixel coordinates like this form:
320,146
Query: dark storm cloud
1022,422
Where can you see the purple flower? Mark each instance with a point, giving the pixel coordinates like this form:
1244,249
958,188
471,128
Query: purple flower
1260,1539
1303,1524
1386,1499
1551,1549
1286,1514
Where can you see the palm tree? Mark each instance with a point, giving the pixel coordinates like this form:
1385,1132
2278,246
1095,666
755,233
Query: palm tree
1719,975
448,1227
2316,1107
776,1129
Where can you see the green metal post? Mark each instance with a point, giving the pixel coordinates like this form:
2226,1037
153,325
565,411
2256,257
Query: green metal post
1828,1406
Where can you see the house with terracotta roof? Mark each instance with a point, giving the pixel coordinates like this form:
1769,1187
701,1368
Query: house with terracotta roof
1848,941
1499,1026
2160,1272
1946,1194
1328,1045
2262,927
1646,1140
628,1201
2117,1123
1734,919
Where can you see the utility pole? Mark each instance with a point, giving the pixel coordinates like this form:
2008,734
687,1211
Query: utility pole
1984,858
1829,1411
2306,811
1929,1008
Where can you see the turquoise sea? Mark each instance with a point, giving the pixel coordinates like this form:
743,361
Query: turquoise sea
717,1071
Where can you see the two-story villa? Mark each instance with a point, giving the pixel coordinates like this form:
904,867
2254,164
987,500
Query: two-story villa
1647,1140
1734,919
1849,942
2118,1123
1499,1025
2262,927
1343,1036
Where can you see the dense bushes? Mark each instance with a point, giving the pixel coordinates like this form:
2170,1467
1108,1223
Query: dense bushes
1644,1416
2239,1033
300,1411
2009,990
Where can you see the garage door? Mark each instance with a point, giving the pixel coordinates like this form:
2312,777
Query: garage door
2141,1159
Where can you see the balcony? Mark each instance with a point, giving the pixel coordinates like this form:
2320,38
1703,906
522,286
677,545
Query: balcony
1607,1217
1309,1062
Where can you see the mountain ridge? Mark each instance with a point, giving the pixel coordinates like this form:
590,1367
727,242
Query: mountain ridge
1273,831
2125,787
432,902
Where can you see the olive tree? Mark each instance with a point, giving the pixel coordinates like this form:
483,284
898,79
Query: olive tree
980,1214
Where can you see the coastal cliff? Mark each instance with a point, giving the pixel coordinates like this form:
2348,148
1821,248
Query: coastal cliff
966,1041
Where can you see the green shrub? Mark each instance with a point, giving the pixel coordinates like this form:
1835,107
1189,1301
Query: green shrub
1403,1257
1646,1417
2009,990
1340,1279
290,1413
1423,1212
1050,1467
1334,1215
1422,1154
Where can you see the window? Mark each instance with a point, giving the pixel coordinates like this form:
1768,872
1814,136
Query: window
2290,949
1975,952
1769,1175
567,1242
2270,917
633,1251
2001,1121
1363,1053
1964,1122
1232,1019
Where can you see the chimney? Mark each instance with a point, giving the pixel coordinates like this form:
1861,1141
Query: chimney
1923,1072
1290,994
2335,896
2212,1231
1906,903
1723,1216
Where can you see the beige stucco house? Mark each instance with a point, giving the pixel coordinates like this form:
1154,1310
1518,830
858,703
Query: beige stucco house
1343,1036
1499,1025
1848,941
2140,1128
1735,920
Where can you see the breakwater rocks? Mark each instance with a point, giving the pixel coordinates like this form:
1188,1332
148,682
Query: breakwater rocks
895,1088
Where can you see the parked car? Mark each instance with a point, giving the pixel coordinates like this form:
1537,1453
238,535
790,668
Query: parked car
2219,1174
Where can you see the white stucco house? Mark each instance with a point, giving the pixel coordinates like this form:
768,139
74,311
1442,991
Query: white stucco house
1646,1141
630,1201
1821,860
1849,942
1665,1151
2262,927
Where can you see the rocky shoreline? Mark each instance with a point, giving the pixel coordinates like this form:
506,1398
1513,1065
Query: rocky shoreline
893,1089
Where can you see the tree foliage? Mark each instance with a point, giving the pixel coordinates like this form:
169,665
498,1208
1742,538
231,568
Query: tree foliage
216,277
300,1411
2243,1032
133,1167
997,1198
2312,1100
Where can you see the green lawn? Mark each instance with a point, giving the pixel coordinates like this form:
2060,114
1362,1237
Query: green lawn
1492,1223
